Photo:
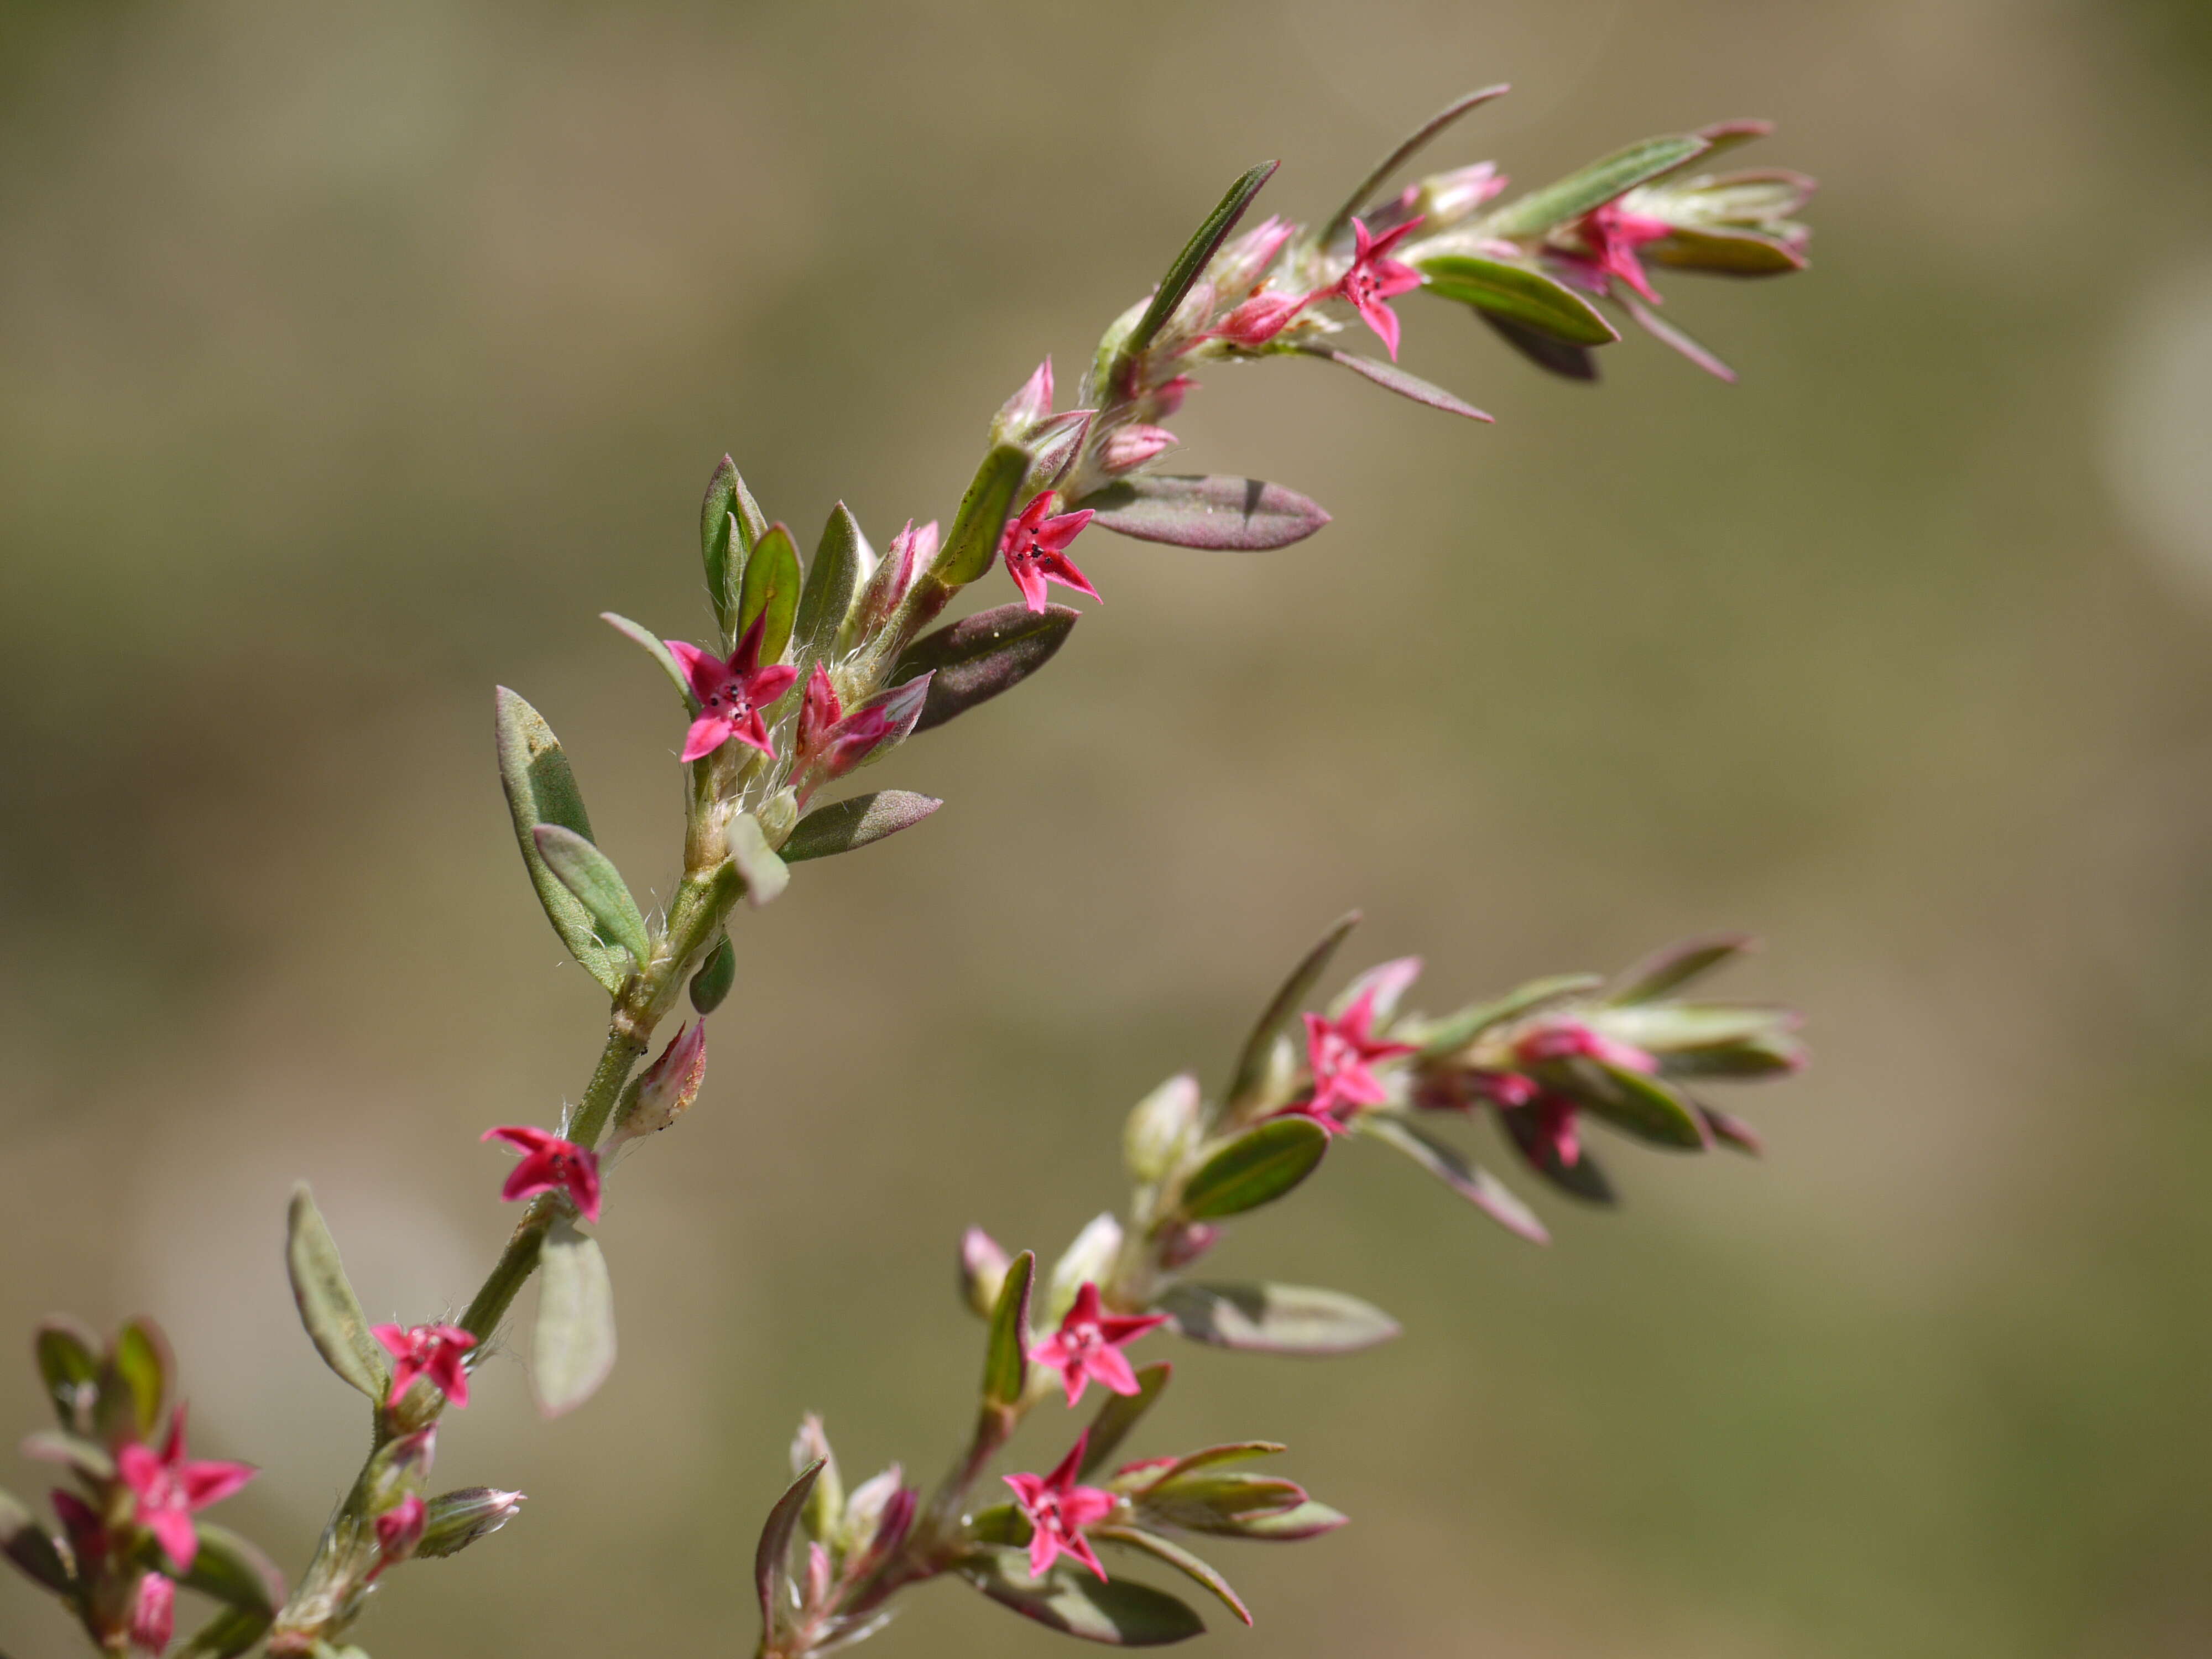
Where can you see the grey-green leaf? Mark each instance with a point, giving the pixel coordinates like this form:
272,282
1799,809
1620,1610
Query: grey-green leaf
973,540
765,874
69,1364
771,590
26,1543
771,1553
1593,186
1117,1415
1470,1180
1197,253
575,1347
230,1570
1462,1028
1286,1318
720,546
1391,377
1676,965
328,1307
839,560
1306,1519
1498,288
1161,1549
1005,1355
592,877
843,825
975,658
658,650
1421,137
1120,1613
1256,1168
1643,1106
134,1381
541,789
1236,515
1547,352
1252,1062
715,976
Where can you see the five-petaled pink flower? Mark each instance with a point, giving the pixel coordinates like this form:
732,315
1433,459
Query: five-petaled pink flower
1036,548
1611,236
731,693
431,1351
168,1488
1059,1510
1342,1053
549,1164
831,742
1375,277
1087,1346
153,1614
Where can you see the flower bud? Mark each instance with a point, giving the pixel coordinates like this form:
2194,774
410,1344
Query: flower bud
1444,198
825,1502
1259,319
665,1089
456,1520
1134,445
1160,1126
1187,1243
153,1614
399,1532
983,1266
399,1467
1089,1259
1239,266
1030,405
880,1505
715,976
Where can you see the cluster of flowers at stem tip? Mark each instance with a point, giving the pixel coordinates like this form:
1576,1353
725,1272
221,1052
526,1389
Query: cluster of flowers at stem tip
1629,1054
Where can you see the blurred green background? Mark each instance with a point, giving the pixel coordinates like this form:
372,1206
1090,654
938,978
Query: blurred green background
353,356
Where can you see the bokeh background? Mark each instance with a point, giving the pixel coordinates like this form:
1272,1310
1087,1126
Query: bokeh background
353,356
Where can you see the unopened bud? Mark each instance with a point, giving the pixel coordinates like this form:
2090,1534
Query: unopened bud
1134,445
1444,196
399,1532
665,1089
1238,267
457,1519
1259,319
1187,1243
825,1503
400,1467
872,1508
715,976
983,1266
1089,1259
1160,1126
152,1614
1026,407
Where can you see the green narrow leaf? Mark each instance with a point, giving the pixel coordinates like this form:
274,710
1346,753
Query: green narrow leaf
26,1543
1256,1168
1306,1519
231,1570
234,1630
1593,186
978,657
712,983
592,877
1197,254
575,1347
771,1555
752,523
1643,1106
1555,356
1252,1063
136,1377
1005,1355
1462,1028
984,510
1211,1457
1520,294
1221,514
1120,1613
1181,1559
1676,965
766,875
841,559
719,549
1422,137
844,826
69,1364
1777,1054
1287,1319
328,1307
1726,253
658,650
1391,377
1470,1180
771,590
1219,1502
542,790
1118,1414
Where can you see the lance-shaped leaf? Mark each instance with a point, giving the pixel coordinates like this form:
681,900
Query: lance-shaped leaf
1499,288
843,825
1470,1180
721,546
715,976
1585,1178
1252,1061
1197,254
1678,339
1548,353
1173,1554
973,542
1118,1415
1676,965
978,657
1120,1613
88,1457
1236,515
575,1347
1593,186
1213,1457
771,1572
452,1521
542,790
1726,253
26,1543
1776,1054
1005,1353
1462,1028
133,1383
233,1632
771,590
765,874
328,1307
231,1570
1662,1027
1391,377
1307,1519
1643,1106
1288,1319
1256,1168
69,1364
843,561
1730,1131
589,874
657,649
1422,135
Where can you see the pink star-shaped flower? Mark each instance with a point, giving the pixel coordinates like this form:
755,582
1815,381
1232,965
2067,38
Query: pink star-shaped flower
731,693
431,1351
1341,1053
549,1164
153,1614
832,742
1375,278
1034,546
1087,1346
1059,1510
1612,236
167,1488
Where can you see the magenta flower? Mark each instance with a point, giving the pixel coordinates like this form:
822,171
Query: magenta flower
731,693
1342,1053
1570,1039
1167,396
153,1614
1036,546
1611,236
831,742
1375,278
1087,1346
549,1164
167,1488
431,1351
1059,1510
399,1530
